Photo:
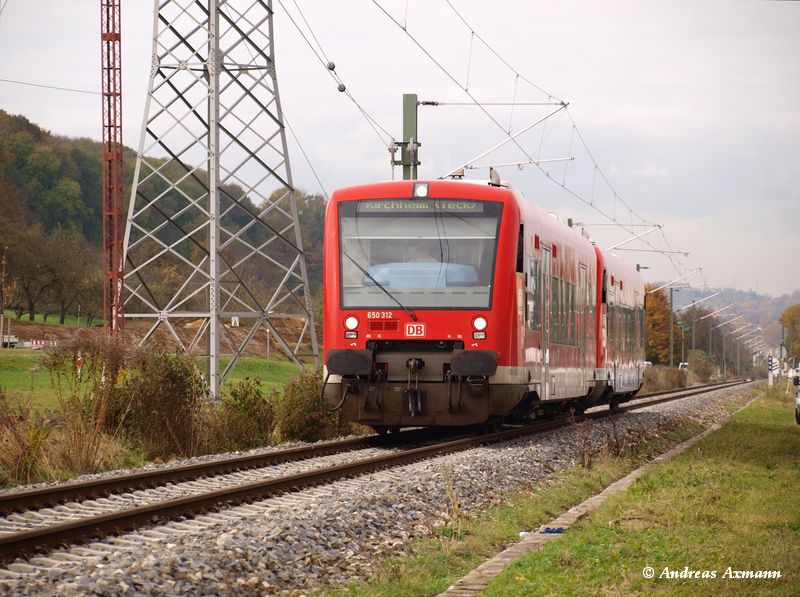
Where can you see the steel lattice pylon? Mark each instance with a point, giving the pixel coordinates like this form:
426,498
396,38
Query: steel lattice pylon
212,231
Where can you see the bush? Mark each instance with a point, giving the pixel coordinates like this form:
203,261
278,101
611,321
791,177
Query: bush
246,416
702,366
130,404
87,437
23,440
658,378
160,403
299,414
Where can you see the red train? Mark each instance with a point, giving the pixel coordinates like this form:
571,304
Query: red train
453,302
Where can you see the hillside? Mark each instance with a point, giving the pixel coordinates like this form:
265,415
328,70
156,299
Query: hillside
51,224
51,180
763,310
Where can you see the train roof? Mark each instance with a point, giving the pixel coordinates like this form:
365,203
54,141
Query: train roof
468,189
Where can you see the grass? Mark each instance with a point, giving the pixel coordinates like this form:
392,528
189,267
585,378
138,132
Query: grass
729,501
273,374
70,321
20,372
433,564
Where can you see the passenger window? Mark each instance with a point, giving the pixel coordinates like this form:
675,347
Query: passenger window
521,250
534,295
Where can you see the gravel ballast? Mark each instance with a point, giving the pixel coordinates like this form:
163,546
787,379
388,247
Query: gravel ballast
334,534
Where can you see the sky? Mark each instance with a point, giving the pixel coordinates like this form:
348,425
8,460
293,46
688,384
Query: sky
686,114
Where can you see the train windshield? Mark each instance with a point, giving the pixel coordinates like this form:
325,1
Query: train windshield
420,253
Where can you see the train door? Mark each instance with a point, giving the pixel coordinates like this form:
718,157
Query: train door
547,313
583,317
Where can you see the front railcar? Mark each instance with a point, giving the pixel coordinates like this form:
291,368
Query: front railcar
420,316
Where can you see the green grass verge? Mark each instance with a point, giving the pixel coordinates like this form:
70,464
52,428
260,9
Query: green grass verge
432,564
21,373
730,501
273,374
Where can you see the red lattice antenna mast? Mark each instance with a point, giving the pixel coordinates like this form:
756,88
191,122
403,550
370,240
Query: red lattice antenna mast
111,42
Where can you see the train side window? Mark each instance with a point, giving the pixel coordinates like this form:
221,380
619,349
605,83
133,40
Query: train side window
521,250
534,295
555,323
604,295
573,312
569,309
631,330
562,320
628,321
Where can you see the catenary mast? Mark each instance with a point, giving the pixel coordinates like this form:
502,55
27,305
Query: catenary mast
112,184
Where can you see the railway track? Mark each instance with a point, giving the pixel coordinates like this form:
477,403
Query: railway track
198,488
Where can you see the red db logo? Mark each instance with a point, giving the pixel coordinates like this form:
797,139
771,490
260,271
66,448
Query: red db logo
415,330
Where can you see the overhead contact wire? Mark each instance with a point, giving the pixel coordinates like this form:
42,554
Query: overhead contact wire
518,75
451,77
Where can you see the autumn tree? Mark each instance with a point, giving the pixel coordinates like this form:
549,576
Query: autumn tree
656,327
790,320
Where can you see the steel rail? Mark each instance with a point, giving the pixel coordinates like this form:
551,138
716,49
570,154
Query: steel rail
26,543
20,501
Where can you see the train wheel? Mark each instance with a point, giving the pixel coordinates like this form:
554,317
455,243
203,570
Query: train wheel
613,404
380,429
490,427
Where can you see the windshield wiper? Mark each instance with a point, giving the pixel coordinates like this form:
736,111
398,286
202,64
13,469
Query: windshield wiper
379,285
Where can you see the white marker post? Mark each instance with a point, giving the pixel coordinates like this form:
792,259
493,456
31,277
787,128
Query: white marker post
770,380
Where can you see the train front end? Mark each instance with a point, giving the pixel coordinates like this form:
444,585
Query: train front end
419,299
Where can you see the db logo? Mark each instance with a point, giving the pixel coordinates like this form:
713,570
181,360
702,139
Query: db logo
415,330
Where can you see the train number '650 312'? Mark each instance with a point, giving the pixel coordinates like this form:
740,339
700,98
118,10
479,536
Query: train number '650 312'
379,315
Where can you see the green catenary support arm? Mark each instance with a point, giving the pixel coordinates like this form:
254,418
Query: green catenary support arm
410,147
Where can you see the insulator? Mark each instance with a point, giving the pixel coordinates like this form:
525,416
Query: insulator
342,87
331,66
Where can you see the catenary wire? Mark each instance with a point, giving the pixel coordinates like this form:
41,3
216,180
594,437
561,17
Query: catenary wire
294,135
56,87
616,195
374,124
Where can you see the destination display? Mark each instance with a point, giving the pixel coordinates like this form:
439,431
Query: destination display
420,205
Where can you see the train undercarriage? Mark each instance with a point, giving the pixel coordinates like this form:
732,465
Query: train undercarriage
400,384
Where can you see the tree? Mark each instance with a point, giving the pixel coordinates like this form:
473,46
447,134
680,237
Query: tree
7,289
30,266
790,320
92,297
71,266
656,327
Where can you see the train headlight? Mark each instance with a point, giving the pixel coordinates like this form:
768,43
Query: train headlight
479,335
351,322
421,190
479,323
